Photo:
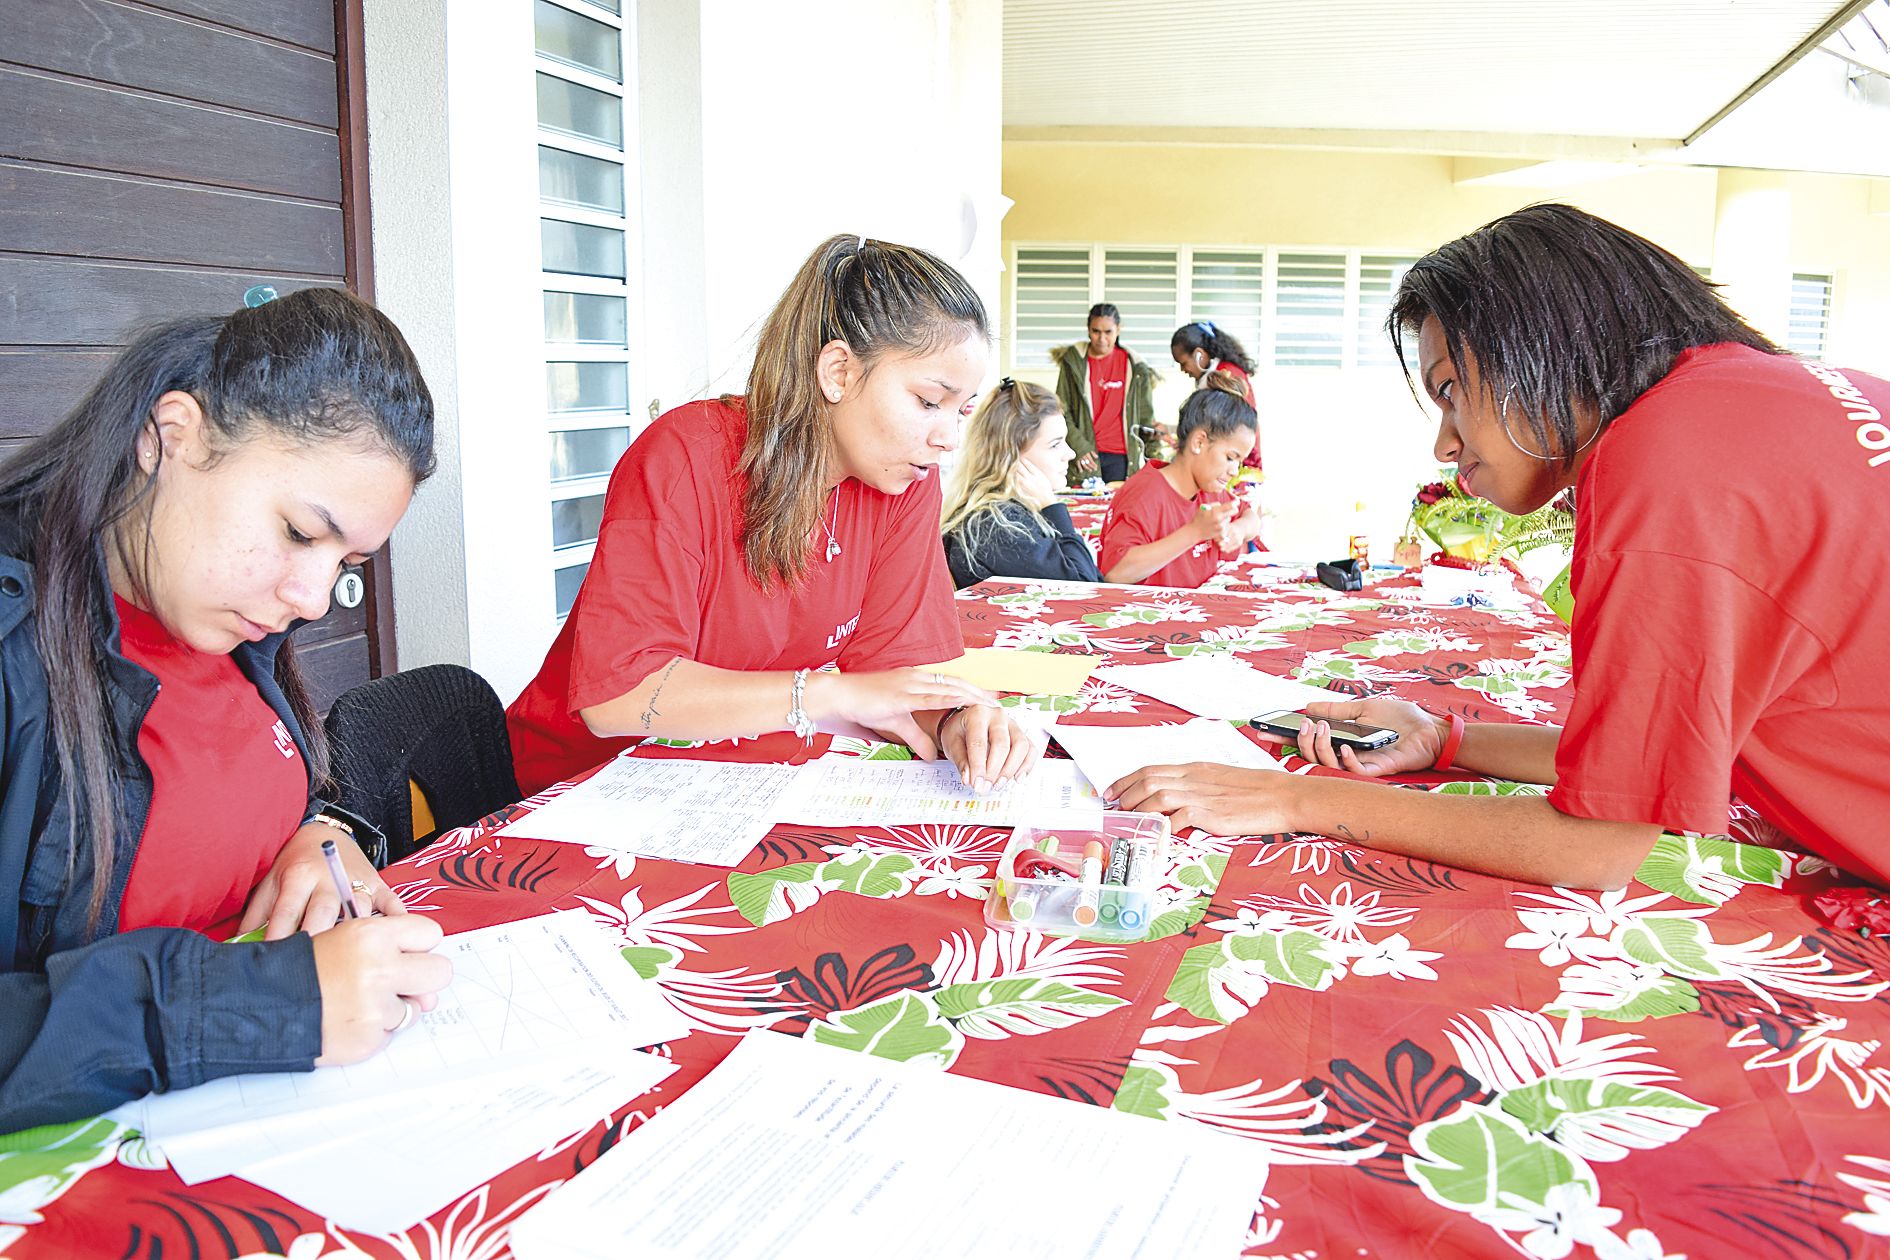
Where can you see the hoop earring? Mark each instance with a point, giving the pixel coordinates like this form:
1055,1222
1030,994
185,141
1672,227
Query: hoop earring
1503,422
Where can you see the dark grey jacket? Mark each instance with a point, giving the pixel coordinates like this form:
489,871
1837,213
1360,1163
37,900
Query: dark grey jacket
90,1017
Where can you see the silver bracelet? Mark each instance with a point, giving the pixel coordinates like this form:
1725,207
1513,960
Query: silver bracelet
797,718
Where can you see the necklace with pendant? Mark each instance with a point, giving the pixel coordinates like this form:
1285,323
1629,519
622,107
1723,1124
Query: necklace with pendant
833,544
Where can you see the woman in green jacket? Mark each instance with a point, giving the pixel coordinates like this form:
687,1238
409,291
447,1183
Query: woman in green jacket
1108,400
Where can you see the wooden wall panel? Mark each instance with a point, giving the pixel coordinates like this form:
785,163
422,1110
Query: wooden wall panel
44,210
310,23
54,119
39,386
136,47
59,301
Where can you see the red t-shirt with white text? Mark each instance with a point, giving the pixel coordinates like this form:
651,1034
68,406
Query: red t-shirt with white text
228,785
1147,508
668,580
1732,607
1108,387
1246,383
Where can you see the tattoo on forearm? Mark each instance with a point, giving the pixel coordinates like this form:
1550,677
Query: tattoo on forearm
1345,832
650,710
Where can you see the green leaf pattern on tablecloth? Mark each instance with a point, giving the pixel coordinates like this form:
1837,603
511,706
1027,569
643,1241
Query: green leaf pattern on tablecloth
1473,1158
905,1028
1710,870
38,1165
765,897
1604,1120
1222,980
1018,1006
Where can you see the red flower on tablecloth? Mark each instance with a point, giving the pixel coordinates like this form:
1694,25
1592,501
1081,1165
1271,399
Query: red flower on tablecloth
1855,909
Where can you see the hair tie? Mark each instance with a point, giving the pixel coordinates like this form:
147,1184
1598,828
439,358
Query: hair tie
1007,383
259,295
1205,325
862,244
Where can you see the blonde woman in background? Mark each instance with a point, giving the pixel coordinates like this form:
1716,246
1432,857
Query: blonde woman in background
1002,515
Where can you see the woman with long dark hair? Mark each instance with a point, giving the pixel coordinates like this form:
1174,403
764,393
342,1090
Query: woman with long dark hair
748,542
1732,593
159,758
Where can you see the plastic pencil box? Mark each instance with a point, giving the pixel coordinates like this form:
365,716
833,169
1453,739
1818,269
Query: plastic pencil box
1091,876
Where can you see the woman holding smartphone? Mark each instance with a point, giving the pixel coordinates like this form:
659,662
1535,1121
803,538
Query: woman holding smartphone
1171,524
1721,648
748,542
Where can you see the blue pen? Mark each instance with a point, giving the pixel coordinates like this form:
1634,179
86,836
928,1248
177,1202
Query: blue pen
333,857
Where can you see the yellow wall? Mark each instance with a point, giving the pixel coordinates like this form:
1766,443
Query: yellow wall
1333,439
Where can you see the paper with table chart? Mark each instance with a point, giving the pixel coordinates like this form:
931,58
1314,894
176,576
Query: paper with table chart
1108,753
801,1151
548,990
1216,687
852,792
712,812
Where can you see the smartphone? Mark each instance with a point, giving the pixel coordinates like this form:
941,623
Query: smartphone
1355,735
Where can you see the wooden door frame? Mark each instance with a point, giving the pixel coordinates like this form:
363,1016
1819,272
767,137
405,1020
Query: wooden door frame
358,261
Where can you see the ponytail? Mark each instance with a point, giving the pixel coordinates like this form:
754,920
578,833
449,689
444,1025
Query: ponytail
876,297
1215,342
314,366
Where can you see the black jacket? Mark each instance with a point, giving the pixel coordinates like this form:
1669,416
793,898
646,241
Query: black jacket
89,1017
1024,551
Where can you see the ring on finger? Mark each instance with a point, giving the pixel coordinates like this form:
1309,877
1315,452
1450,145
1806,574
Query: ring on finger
359,885
406,1016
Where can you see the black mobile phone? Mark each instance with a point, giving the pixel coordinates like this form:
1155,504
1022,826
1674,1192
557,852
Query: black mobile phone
1355,735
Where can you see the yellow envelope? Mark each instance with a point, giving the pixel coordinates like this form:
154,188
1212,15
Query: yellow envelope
1013,669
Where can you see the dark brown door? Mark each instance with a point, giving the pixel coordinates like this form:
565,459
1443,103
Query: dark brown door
159,158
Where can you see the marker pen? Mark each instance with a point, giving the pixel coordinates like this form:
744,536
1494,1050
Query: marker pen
1085,913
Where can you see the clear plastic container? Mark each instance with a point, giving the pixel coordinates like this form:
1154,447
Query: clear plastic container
1096,879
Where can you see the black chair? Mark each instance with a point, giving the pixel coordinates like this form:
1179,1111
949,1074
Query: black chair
440,728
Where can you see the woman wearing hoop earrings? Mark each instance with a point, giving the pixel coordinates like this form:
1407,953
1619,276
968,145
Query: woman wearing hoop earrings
748,542
1721,648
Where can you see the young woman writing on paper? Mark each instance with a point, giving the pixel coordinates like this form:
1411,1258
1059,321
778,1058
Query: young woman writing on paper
157,753
1002,515
747,542
1171,524
1721,646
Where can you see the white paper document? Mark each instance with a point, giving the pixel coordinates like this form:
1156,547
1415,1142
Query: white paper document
1107,753
853,792
523,994
395,1170
800,1151
713,812
1216,687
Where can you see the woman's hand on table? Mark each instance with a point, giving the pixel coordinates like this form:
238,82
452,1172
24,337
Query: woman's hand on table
989,749
298,894
1420,736
885,701
375,975
1220,800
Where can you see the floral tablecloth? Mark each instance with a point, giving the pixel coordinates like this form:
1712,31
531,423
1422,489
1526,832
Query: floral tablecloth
1435,1063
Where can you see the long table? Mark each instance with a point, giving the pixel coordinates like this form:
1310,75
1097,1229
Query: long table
1436,1063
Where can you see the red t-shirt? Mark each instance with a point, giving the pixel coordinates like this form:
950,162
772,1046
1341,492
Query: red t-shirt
1246,383
1732,607
1148,508
228,785
1108,388
669,580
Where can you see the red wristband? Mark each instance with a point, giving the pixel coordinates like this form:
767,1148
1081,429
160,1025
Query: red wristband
1452,742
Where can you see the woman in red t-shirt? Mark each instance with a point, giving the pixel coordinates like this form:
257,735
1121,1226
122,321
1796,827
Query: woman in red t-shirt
1171,524
748,542
1722,643
160,755
1201,349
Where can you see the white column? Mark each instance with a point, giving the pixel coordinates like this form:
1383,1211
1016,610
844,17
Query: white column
1752,240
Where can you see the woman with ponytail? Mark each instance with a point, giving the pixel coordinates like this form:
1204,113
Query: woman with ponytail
749,541
1172,524
1002,515
159,758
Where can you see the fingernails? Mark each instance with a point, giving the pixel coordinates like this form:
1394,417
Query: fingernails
980,786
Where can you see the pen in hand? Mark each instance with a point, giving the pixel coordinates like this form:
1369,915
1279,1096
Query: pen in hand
332,856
